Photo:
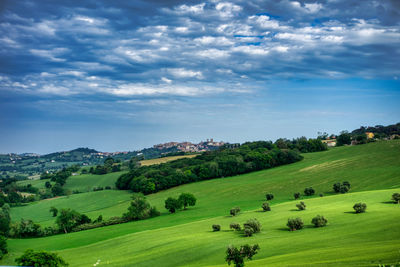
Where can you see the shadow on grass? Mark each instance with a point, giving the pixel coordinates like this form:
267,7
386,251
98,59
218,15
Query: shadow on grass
350,212
295,210
389,202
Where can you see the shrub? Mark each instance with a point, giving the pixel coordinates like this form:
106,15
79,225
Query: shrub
172,204
216,227
360,207
248,231
107,187
54,211
321,195
99,219
396,198
296,195
41,258
319,221
254,224
309,191
234,211
269,196
265,206
295,224
341,188
235,226
301,205
26,228
3,246
238,255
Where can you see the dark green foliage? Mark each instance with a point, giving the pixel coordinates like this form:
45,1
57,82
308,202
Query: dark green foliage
57,190
396,198
295,224
269,196
47,184
301,205
216,227
212,164
3,246
68,219
319,221
235,226
309,191
5,220
360,207
343,139
234,211
99,219
247,231
173,204
187,199
238,255
140,209
252,224
54,211
26,228
40,259
302,144
265,206
296,195
341,188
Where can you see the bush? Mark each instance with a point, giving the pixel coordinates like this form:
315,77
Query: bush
187,199
269,196
360,207
26,228
301,205
238,255
173,204
319,221
107,187
234,211
295,224
248,231
396,198
54,211
254,224
321,195
41,258
235,226
265,206
3,246
341,188
296,195
216,227
309,191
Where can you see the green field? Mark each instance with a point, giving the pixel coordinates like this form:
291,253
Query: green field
148,162
185,238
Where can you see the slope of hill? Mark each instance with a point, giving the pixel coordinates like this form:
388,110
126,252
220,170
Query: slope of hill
185,238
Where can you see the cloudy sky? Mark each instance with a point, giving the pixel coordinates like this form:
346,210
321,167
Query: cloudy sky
124,75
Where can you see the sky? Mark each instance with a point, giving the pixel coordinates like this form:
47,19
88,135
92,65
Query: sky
125,75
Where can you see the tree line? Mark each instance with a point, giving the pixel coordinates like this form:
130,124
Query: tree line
248,157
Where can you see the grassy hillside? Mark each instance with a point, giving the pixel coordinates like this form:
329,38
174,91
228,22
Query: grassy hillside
184,238
163,160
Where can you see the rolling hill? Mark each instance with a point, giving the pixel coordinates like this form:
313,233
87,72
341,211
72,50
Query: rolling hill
185,238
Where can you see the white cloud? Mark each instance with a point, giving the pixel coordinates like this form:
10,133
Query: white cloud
50,54
211,40
265,22
195,9
184,73
227,9
213,53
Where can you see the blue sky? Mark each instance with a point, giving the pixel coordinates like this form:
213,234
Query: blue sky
124,75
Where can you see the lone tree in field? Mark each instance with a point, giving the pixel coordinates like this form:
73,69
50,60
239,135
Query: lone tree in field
235,226
296,195
234,211
238,255
187,199
216,227
396,198
301,205
309,191
251,227
54,211
295,224
269,196
173,204
319,221
341,187
265,206
40,258
360,207
140,209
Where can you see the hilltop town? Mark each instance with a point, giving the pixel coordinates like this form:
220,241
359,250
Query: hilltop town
209,144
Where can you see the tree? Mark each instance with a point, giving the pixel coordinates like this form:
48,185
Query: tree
301,205
47,184
67,219
238,255
3,246
265,206
360,207
5,220
309,191
235,226
173,204
54,210
343,139
251,226
341,188
234,211
57,190
139,207
269,196
187,199
319,221
296,195
40,258
295,224
216,227
396,197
